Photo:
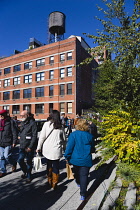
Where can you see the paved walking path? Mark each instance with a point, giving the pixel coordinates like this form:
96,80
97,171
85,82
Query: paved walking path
15,194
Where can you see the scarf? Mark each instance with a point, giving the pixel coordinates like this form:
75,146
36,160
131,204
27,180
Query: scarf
2,124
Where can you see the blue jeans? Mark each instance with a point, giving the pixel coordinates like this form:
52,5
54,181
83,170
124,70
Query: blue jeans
6,157
26,167
54,164
81,176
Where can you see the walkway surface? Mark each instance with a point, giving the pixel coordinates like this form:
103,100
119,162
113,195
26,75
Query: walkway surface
15,194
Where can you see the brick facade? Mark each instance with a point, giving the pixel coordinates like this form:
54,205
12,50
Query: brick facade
33,81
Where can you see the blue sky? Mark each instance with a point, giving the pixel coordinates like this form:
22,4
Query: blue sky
21,20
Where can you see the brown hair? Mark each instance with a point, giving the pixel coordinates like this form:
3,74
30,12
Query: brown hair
82,125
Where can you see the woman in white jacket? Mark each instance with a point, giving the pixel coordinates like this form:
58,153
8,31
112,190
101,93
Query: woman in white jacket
51,142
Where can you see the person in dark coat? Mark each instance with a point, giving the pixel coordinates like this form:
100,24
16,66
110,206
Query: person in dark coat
28,140
8,139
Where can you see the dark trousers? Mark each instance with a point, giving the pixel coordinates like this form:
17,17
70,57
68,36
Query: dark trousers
81,176
54,164
26,167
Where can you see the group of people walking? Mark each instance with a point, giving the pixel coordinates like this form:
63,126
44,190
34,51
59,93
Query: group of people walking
52,143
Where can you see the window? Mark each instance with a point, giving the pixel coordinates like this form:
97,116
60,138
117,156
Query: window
27,93
28,65
69,107
16,94
51,74
69,88
6,95
7,70
40,76
17,68
62,89
69,71
16,109
0,83
52,60
62,73
62,57
51,88
27,107
40,62
6,82
28,78
62,107
69,56
50,107
39,92
0,71
6,107
39,108
16,80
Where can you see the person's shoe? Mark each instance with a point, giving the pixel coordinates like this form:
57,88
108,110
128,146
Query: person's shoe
82,198
2,175
14,168
23,176
28,180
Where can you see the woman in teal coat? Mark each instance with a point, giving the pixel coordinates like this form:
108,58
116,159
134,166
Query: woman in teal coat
78,153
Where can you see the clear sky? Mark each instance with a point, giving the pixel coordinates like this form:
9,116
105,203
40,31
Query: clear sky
21,20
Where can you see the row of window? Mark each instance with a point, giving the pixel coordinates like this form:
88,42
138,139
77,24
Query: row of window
39,62
39,92
39,76
39,108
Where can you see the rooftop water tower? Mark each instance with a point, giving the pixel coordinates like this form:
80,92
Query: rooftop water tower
56,26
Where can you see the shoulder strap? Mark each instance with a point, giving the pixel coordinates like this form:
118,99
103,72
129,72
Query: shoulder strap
48,135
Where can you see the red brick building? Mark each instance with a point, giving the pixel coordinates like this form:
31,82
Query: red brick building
47,77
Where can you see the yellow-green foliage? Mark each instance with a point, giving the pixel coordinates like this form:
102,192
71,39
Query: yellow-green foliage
122,133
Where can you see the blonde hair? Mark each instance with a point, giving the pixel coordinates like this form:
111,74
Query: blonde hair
82,125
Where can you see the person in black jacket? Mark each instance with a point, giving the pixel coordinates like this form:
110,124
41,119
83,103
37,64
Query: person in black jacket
8,139
28,138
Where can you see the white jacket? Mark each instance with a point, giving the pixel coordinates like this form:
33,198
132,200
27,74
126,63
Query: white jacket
52,146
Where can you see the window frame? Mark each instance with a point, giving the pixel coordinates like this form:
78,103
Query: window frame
51,74
7,70
69,73
4,95
27,65
69,108
6,83
51,91
62,90
40,77
17,68
27,94
51,60
62,57
69,57
69,89
62,107
62,74
17,95
41,62
18,80
28,79
42,109
39,93
16,111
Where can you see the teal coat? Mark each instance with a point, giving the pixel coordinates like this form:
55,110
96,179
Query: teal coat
78,150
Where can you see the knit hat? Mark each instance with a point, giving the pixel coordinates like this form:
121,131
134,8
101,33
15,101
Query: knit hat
3,112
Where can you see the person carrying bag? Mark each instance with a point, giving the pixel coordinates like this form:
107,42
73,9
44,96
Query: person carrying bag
53,146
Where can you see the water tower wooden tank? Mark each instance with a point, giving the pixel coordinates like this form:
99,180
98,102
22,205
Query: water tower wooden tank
56,26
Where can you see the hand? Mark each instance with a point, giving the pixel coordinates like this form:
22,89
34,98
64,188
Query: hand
28,149
38,150
13,145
